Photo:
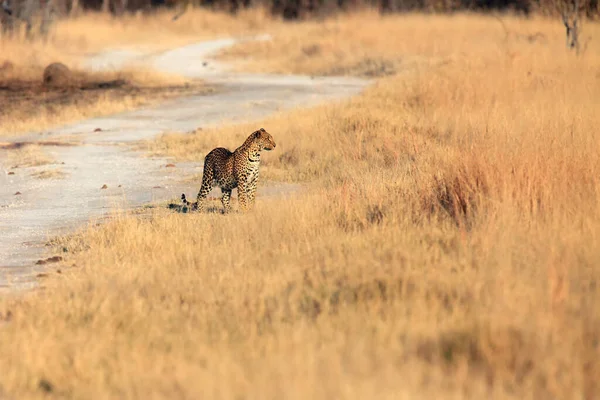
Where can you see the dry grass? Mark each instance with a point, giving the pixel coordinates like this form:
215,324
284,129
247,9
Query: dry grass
367,44
30,155
446,248
90,33
49,174
36,109
157,31
27,104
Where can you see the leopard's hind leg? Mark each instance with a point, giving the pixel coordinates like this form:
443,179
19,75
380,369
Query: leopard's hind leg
226,199
207,183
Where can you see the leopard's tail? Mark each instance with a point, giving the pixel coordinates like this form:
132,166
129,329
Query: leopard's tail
193,206
185,202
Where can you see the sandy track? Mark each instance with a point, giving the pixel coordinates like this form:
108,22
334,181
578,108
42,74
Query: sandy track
49,207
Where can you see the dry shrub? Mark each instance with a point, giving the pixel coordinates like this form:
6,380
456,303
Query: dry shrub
503,354
459,196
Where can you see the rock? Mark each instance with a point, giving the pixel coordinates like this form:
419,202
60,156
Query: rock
11,173
17,193
312,50
170,166
98,130
49,260
57,75
104,187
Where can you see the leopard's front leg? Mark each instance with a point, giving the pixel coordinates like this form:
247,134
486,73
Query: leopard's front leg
207,185
251,189
243,194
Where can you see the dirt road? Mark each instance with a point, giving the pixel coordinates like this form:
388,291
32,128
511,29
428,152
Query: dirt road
47,207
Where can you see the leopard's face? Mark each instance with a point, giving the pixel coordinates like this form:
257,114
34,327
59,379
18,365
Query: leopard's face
264,139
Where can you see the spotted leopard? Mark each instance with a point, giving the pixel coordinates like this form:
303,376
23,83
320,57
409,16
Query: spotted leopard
233,170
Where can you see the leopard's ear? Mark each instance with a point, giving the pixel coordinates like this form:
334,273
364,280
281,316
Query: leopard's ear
262,130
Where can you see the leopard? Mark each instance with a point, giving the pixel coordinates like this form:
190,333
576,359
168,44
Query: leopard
230,170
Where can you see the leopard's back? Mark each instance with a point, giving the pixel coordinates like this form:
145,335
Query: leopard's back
221,162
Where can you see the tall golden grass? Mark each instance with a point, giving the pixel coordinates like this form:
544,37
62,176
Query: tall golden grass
445,247
354,43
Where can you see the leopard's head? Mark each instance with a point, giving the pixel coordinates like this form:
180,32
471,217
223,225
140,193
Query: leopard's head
264,139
